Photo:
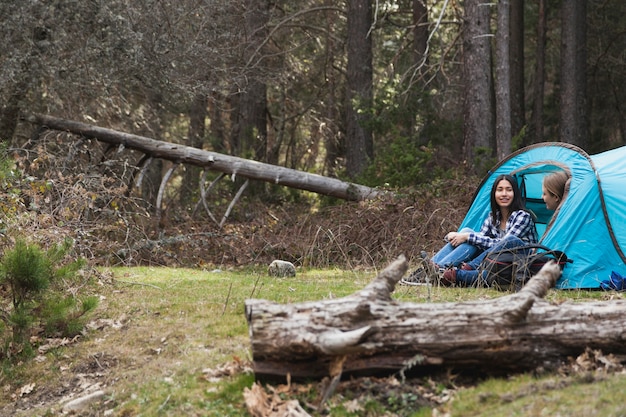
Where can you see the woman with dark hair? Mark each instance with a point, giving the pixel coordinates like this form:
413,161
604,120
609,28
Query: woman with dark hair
519,230
508,221
553,192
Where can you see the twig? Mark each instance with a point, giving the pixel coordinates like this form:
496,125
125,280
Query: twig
227,298
254,288
164,181
139,283
234,201
164,402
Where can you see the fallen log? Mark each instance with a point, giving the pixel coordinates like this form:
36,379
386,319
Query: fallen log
370,333
214,161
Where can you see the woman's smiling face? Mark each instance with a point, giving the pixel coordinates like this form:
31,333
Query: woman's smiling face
504,194
551,200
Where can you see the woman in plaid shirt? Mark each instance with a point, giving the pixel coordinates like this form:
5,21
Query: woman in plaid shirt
508,225
553,193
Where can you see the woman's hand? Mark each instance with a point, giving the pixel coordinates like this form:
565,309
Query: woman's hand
456,238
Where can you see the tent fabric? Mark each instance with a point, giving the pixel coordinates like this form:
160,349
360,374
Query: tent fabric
590,224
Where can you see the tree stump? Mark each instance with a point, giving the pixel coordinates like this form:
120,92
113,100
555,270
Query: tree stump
369,333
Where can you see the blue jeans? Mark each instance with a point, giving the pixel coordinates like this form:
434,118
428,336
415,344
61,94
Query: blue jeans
468,278
454,256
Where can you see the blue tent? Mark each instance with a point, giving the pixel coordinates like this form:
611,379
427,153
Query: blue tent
590,224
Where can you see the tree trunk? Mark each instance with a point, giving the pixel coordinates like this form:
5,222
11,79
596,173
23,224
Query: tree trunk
252,104
478,109
330,129
369,333
359,144
420,34
517,62
154,170
573,116
10,110
217,135
503,81
418,99
234,166
540,74
191,176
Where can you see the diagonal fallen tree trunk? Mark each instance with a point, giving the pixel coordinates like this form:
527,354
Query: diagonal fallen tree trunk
369,333
214,161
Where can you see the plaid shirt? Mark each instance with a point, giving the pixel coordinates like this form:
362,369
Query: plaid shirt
520,224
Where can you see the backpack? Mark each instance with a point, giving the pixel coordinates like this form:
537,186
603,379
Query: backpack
509,269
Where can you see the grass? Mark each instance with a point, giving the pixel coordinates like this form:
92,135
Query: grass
171,342
548,395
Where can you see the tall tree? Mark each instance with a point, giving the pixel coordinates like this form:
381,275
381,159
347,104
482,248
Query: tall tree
516,53
540,74
250,133
503,81
359,142
606,43
217,131
330,129
195,137
420,62
478,118
10,108
420,33
103,60
573,114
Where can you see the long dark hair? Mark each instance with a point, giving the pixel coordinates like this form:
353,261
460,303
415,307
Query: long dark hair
516,204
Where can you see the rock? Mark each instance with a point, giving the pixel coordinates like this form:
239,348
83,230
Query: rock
280,268
83,402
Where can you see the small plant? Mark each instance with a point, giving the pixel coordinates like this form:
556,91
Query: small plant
27,271
33,278
63,316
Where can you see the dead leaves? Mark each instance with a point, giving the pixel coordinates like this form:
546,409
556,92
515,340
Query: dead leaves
291,399
237,366
56,343
595,361
100,324
282,400
261,404
26,389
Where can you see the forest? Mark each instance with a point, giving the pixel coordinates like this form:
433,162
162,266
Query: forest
114,113
398,95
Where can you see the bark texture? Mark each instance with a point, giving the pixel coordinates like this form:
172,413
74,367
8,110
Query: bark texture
503,81
359,71
231,165
478,107
370,333
573,94
516,54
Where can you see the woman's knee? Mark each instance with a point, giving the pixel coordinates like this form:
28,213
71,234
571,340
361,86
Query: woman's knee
512,238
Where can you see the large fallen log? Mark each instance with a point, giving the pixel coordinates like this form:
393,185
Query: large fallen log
214,161
369,333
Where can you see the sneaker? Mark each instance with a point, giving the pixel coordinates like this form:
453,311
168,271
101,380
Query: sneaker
448,279
417,277
425,273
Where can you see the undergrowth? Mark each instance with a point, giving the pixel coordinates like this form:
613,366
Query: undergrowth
36,301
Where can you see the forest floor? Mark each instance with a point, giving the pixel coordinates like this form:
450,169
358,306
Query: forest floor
361,236
367,234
